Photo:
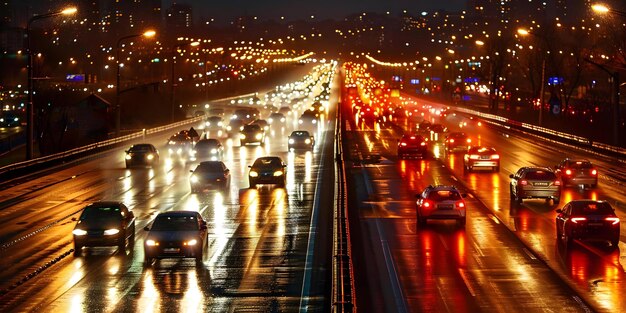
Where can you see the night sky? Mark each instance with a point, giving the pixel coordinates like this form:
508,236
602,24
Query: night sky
296,9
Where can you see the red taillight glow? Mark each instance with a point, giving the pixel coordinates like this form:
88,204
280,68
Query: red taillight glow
578,219
460,204
568,172
469,140
557,183
403,144
426,204
451,140
594,172
495,156
613,220
523,182
422,144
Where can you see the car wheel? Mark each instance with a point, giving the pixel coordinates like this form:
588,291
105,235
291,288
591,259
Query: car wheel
594,185
252,185
421,221
615,243
281,184
147,260
568,240
78,250
121,244
496,169
461,222
556,201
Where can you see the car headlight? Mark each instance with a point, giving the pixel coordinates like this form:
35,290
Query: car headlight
179,151
253,174
259,136
172,142
282,119
194,179
79,232
229,128
242,136
213,151
207,124
151,243
270,120
219,124
307,141
291,141
300,121
278,173
150,156
128,157
112,231
191,242
314,121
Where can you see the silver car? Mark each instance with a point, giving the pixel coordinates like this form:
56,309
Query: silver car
535,182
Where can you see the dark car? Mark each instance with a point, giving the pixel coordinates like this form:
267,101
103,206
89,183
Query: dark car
247,115
180,144
309,120
262,123
440,202
209,174
207,149
591,220
437,131
317,107
9,119
481,158
176,234
235,126
252,133
535,182
102,224
412,146
214,123
277,119
577,172
457,141
300,140
267,170
144,154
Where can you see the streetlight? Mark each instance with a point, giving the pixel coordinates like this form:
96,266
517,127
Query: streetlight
172,94
29,105
118,111
603,9
525,32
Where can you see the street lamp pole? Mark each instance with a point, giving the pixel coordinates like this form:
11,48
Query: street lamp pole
173,84
118,111
30,108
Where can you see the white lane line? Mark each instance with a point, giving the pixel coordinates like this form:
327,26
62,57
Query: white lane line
308,264
530,255
467,283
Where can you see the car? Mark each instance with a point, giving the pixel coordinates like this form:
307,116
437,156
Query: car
300,140
277,119
285,110
589,220
143,154
267,170
180,144
318,107
9,119
214,123
457,142
252,133
308,120
412,146
235,126
207,149
534,182
441,202
261,122
437,131
176,234
217,111
577,172
478,157
247,115
103,224
209,174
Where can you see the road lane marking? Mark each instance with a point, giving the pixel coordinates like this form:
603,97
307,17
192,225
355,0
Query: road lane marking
467,283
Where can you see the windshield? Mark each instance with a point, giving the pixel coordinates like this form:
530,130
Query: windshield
540,175
443,195
175,223
101,213
591,208
140,148
209,167
269,162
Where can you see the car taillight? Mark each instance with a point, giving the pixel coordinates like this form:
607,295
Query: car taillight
469,140
460,204
578,219
557,183
568,172
613,220
403,144
495,156
427,204
594,172
451,140
422,144
523,182
474,156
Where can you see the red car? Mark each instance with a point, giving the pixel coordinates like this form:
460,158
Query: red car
577,172
481,158
411,145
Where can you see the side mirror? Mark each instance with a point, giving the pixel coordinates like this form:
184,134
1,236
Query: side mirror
131,214
559,211
511,176
203,227
418,196
126,151
146,228
226,170
190,171
249,166
74,219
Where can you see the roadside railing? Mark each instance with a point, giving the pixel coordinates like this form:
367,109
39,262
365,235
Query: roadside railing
579,141
46,161
343,279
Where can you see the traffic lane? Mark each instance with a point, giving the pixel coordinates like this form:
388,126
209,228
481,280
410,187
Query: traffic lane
440,267
534,221
163,201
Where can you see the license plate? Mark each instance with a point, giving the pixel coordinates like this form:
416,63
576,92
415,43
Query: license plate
595,224
171,250
540,184
484,157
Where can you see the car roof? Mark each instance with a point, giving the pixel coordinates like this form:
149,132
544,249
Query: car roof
442,187
104,204
300,133
178,213
536,168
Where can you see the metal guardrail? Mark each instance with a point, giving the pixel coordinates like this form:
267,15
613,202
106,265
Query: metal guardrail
585,142
94,147
343,294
